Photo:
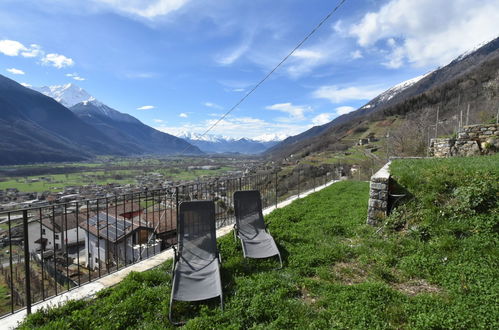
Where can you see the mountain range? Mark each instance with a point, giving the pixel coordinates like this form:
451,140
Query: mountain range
224,144
65,123
471,79
36,128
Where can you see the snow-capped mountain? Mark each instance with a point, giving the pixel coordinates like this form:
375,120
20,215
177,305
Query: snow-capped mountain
224,144
207,137
68,95
393,91
270,137
134,136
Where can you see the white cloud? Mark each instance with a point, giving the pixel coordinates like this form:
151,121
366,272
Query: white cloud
238,127
295,112
146,107
428,32
183,115
234,54
33,51
212,105
26,85
344,110
75,76
159,121
356,54
15,71
149,9
11,47
57,60
307,54
322,119
305,60
336,94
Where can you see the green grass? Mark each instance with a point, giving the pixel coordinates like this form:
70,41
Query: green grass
424,271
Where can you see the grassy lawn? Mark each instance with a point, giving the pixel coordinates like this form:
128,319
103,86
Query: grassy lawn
434,264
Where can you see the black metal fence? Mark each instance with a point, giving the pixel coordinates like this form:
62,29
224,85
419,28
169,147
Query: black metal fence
48,250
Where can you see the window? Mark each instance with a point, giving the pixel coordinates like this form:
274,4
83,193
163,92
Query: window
56,246
43,231
96,260
56,236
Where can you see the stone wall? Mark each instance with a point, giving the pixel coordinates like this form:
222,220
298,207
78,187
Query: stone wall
473,140
378,196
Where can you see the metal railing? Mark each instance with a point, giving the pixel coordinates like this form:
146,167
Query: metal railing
48,250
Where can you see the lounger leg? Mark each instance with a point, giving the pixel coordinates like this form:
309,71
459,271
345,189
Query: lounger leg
280,260
170,310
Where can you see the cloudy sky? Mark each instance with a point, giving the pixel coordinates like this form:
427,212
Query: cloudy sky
177,65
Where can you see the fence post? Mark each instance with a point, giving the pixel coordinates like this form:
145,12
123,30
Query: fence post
240,184
176,202
27,276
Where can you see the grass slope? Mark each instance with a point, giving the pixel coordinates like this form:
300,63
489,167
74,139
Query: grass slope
338,273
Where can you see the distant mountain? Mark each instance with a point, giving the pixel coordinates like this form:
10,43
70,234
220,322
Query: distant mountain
36,128
68,95
471,78
223,144
135,136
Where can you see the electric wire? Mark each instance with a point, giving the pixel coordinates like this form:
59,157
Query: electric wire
317,27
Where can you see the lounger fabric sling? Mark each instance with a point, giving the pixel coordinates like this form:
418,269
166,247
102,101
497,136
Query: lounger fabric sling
250,227
196,269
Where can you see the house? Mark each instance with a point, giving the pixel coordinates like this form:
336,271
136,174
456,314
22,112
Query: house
55,232
111,239
164,223
127,210
363,142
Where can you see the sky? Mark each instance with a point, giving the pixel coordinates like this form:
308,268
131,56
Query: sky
178,65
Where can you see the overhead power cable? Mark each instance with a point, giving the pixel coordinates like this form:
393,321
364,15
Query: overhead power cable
317,27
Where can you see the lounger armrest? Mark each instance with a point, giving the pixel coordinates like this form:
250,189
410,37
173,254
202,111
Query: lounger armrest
219,256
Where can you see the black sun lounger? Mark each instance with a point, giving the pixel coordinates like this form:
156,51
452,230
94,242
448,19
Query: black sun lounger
196,267
250,227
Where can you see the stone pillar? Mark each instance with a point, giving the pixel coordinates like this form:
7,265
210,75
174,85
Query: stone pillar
378,196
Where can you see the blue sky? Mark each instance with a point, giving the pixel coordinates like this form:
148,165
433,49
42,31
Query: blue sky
177,65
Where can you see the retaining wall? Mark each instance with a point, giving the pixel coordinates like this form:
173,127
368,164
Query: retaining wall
473,140
378,196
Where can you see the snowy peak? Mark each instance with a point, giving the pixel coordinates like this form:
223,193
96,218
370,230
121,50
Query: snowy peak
200,137
224,144
220,138
394,91
389,94
271,137
68,94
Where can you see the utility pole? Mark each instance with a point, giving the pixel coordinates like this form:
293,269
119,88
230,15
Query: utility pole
436,124
387,151
497,116
468,115
461,118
